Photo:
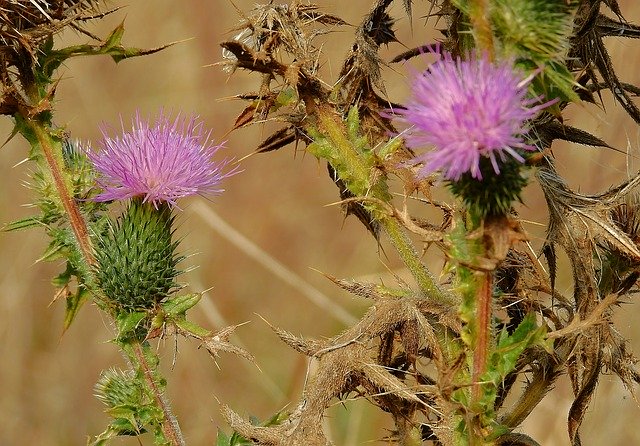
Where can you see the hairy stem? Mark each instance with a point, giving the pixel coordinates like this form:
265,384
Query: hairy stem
349,156
170,427
78,225
483,318
412,261
482,27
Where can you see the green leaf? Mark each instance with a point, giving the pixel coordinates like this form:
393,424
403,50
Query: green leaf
222,439
73,304
192,328
24,223
353,123
178,305
51,59
127,322
125,417
509,348
390,147
63,279
53,251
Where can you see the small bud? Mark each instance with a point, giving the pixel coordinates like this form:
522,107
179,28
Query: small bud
118,388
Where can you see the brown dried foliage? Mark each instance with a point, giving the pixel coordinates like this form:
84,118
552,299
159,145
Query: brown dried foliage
393,356
25,25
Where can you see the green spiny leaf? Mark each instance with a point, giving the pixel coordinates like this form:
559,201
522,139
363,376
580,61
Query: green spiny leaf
178,305
126,322
24,223
74,302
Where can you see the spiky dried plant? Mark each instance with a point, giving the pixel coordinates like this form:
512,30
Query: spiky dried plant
25,26
410,354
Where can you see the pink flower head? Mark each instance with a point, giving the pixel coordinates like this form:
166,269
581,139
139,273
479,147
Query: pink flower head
160,163
468,109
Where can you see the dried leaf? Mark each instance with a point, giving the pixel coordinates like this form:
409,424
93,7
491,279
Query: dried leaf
308,347
384,380
219,341
552,130
609,27
278,140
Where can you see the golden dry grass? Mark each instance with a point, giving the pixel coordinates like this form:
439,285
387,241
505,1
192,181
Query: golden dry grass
277,204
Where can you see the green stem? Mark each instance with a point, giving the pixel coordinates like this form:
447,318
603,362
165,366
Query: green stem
410,257
334,128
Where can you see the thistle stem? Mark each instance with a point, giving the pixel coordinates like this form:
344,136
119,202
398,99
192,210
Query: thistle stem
170,427
483,318
350,157
78,225
482,27
412,261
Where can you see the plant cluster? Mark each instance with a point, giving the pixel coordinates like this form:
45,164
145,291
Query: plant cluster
455,361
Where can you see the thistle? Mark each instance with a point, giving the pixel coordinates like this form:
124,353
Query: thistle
474,114
153,166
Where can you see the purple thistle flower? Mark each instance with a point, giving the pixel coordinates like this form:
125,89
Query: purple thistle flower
468,109
160,163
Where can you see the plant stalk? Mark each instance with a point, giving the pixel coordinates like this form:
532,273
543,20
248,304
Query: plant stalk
170,427
483,318
412,261
482,27
78,225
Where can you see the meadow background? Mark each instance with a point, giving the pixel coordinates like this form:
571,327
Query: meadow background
258,247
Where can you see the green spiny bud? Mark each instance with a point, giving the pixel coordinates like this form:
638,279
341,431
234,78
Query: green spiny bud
118,388
493,194
136,257
533,29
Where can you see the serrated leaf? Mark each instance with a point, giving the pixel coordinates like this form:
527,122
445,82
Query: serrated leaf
124,413
510,347
112,46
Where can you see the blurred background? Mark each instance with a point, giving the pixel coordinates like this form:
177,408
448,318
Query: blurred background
259,247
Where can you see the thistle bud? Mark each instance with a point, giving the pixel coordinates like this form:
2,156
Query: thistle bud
137,261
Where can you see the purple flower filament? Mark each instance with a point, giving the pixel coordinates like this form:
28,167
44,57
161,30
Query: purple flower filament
465,110
160,163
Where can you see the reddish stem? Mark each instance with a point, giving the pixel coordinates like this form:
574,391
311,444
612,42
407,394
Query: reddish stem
483,318
170,426
78,224
482,27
